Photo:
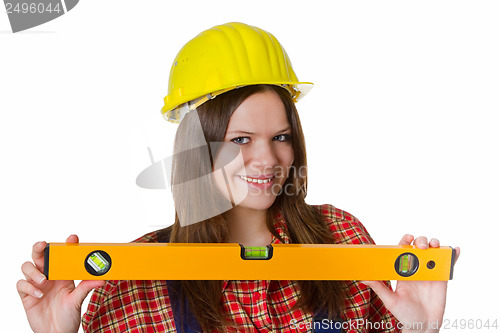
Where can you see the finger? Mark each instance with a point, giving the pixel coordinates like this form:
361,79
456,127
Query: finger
24,288
406,240
72,239
457,254
37,254
386,295
421,242
434,242
83,289
32,274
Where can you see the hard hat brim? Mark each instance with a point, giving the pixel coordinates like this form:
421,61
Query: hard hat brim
300,89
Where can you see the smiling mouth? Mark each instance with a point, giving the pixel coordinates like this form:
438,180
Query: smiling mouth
256,180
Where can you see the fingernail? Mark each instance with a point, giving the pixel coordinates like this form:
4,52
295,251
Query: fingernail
38,293
41,280
422,246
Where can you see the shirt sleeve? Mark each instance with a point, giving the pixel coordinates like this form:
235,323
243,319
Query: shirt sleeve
98,316
364,310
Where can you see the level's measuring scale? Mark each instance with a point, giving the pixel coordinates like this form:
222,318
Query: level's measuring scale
223,261
98,263
256,252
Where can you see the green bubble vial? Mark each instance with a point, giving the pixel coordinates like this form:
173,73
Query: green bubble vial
98,262
256,252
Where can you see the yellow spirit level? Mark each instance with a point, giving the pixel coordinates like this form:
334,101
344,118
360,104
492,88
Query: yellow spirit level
225,261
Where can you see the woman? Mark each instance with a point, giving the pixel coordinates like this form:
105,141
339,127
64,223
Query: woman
239,176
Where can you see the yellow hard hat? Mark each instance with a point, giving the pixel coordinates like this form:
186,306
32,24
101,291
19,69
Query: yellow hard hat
226,57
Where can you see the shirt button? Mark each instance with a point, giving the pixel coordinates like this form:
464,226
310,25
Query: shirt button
256,296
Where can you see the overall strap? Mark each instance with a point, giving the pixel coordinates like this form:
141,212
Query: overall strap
321,323
185,321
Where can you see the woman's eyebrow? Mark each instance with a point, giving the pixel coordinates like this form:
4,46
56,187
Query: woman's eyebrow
283,130
240,131
247,132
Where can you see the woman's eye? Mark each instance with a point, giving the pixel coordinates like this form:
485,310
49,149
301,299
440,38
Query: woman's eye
241,140
283,137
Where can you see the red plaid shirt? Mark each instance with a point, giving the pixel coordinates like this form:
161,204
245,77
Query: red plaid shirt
257,306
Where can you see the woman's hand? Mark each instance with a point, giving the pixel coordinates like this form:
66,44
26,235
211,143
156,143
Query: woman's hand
51,306
415,303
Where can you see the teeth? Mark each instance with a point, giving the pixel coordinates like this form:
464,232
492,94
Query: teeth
254,180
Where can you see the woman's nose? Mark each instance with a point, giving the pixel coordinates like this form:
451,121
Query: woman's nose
264,155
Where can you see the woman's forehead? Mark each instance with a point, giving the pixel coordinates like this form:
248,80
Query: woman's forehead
259,113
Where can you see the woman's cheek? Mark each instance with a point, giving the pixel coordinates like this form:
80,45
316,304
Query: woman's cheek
228,185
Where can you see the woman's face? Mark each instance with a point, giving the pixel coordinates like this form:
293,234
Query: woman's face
260,129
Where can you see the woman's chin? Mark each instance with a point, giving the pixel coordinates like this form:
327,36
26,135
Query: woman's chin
260,202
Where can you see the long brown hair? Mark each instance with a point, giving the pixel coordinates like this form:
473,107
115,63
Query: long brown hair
305,223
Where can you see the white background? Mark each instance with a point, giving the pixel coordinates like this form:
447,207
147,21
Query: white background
401,127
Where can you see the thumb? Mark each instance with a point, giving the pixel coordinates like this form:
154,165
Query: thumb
387,296
83,289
